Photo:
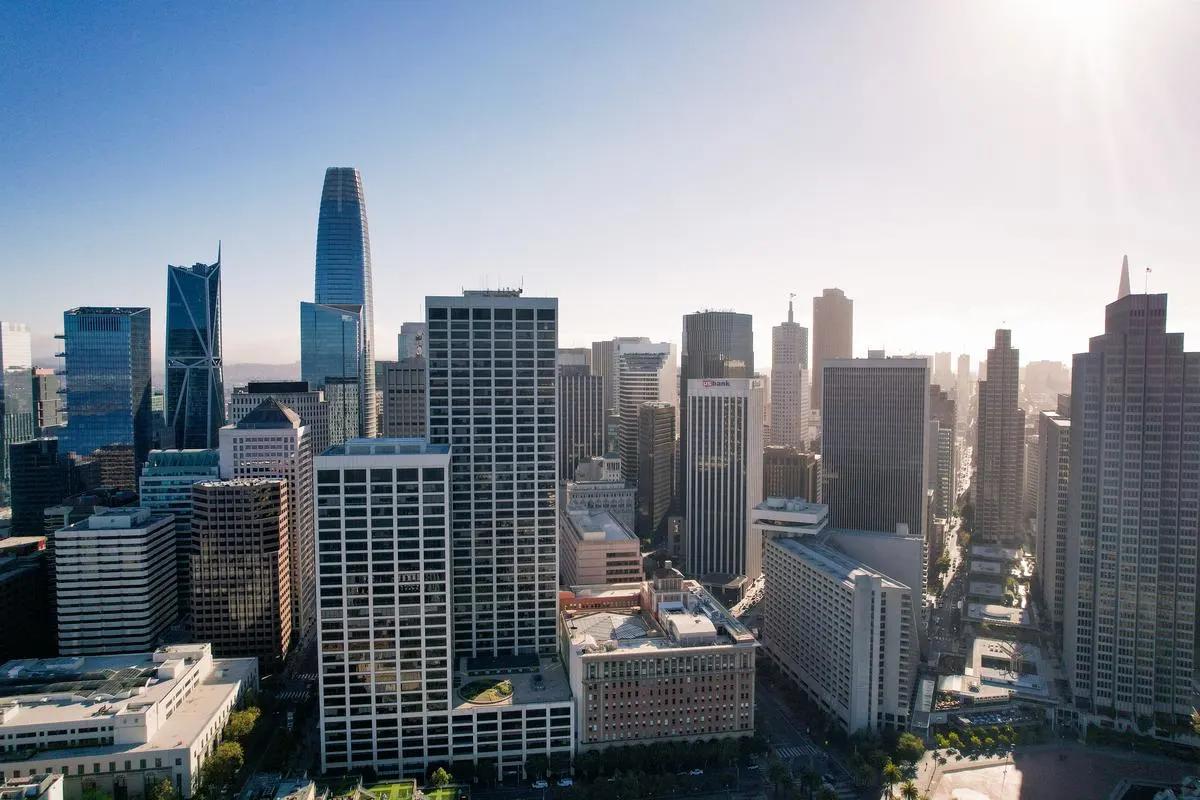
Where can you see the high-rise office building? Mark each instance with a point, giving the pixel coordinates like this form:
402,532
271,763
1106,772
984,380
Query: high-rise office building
595,547
580,415
644,372
1133,525
308,403
873,441
656,466
965,388
723,472
47,402
1050,527
410,342
942,450
195,388
26,627
575,357
107,359
337,334
504,469
833,335
18,414
789,379
241,570
41,477
999,456
272,442
165,487
402,393
943,376
115,582
598,486
342,398
604,365
791,473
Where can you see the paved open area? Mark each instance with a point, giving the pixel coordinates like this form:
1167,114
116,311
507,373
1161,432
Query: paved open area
1049,774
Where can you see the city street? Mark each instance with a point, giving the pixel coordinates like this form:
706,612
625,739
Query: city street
790,739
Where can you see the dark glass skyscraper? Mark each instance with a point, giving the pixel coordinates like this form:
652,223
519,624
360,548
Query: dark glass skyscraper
342,309
195,390
108,379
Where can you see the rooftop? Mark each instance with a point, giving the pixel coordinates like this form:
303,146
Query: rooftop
994,552
595,525
387,447
999,615
547,685
269,414
833,563
127,518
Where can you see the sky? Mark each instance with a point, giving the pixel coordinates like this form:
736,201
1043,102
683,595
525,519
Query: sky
953,166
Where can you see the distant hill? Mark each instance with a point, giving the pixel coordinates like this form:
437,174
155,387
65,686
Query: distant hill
235,374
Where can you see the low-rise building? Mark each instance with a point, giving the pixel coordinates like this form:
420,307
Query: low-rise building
118,724
34,787
595,547
656,661
601,493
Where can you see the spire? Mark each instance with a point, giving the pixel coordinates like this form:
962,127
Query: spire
218,252
1123,290
790,318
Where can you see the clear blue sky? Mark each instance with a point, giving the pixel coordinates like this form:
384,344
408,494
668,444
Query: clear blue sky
953,166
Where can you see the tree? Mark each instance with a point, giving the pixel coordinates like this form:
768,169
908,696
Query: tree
909,748
223,764
92,793
909,791
776,771
891,775
241,723
162,790
825,793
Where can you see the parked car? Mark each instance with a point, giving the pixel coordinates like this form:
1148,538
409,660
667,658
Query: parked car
564,782
696,773
541,783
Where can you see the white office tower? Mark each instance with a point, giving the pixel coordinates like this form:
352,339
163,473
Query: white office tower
310,404
272,442
115,582
723,474
1050,526
841,630
385,668
604,365
643,372
789,383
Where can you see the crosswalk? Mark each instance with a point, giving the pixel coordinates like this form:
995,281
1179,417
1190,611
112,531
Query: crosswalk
788,753
297,695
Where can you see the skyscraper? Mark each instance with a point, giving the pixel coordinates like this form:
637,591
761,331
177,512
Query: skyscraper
272,442
402,391
790,473
195,389
47,402
18,415
962,377
1000,446
943,459
498,415
40,478
410,341
873,442
107,359
723,472
656,466
833,335
604,365
580,416
644,372
942,374
337,334
1133,525
309,403
789,378
1050,528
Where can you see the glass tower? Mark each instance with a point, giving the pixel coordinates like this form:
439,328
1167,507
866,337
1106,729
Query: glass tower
17,413
343,304
195,391
108,379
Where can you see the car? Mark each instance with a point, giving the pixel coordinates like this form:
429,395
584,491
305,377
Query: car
564,782
696,773
541,783
752,766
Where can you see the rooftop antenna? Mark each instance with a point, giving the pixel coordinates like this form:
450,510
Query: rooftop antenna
791,297
1146,283
218,252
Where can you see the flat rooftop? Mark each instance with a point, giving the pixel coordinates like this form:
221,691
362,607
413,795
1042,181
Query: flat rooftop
527,688
833,563
595,525
988,567
995,552
985,589
998,614
387,447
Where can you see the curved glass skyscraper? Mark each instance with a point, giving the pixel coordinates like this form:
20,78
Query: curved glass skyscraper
343,304
195,390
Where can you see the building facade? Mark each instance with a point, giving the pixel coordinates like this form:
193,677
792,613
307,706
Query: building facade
1132,523
595,547
833,336
644,372
656,466
789,472
597,491
241,572
410,342
873,442
999,456
1050,530
308,403
580,417
115,582
723,472
18,414
26,625
789,394
107,360
47,402
195,402
402,394
942,449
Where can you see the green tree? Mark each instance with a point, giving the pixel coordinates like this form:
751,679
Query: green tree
163,790
909,748
93,793
241,723
909,791
891,775
440,778
223,764
825,793
776,772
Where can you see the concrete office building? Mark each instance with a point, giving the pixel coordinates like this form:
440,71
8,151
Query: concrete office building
166,487
1050,528
964,390
789,392
402,388
999,449
241,571
342,397
26,626
308,403
943,377
580,412
18,414
410,342
656,466
723,473
657,661
1133,526
131,721
844,632
833,336
272,442
873,442
942,450
115,582
599,487
644,372
594,547
40,477
789,516
47,402
604,364
789,472
33,787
